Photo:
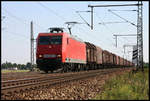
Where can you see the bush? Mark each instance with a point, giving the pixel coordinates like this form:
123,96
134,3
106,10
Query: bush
128,86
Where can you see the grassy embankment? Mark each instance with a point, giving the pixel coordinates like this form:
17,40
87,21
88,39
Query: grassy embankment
8,71
130,86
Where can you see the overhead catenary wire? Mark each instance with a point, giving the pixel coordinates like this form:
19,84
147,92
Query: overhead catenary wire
86,30
120,51
62,19
126,39
107,27
52,11
110,32
83,19
88,25
21,20
123,10
89,35
103,23
17,34
122,18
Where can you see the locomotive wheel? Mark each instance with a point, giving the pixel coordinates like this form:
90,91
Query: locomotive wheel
51,71
46,71
64,68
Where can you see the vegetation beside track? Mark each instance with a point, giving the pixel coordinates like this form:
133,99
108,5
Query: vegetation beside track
130,86
10,71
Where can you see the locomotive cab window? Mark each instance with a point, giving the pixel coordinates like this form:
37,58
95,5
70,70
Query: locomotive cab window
44,40
47,40
56,40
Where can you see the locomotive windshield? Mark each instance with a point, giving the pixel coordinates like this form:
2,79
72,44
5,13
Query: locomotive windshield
47,40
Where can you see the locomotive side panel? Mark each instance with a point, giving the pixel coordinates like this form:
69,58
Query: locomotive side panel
75,51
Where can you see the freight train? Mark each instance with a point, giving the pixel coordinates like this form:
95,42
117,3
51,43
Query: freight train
60,50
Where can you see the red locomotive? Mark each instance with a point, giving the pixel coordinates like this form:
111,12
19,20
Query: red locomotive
59,50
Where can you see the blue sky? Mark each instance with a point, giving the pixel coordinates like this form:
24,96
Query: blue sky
18,15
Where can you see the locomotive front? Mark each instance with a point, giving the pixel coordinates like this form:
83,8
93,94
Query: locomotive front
49,50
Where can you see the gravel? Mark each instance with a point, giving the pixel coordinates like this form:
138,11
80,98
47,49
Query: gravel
77,90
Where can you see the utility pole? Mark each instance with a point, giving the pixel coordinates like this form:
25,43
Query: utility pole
139,28
32,46
140,36
123,35
92,9
92,18
3,17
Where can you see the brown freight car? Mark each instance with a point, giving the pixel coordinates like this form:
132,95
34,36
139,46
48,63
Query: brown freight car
99,55
106,58
118,60
111,59
129,63
121,61
114,59
125,62
90,52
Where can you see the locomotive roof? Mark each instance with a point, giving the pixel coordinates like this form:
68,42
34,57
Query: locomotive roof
71,36
76,38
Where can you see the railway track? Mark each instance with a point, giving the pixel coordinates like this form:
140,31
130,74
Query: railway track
11,86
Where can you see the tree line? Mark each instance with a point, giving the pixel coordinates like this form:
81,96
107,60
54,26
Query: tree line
9,65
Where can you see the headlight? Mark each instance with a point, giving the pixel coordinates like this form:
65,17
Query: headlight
40,56
58,55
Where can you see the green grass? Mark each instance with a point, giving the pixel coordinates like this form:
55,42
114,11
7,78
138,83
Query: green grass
130,86
8,71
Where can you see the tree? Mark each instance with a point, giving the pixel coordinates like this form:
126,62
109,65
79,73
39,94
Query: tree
28,65
14,65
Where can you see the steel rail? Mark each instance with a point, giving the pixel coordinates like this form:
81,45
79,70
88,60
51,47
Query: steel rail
48,81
